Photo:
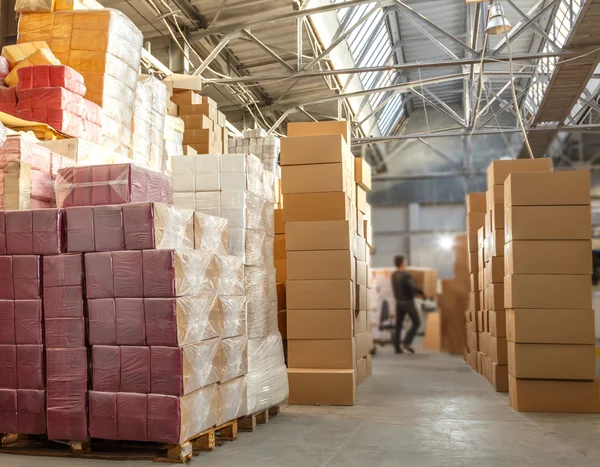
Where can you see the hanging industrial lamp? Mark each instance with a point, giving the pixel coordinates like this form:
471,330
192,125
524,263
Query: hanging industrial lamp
497,23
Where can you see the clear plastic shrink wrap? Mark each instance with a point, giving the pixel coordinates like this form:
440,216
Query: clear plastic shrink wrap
34,6
23,411
152,417
211,233
234,354
230,275
174,129
108,64
32,232
149,122
231,400
260,296
111,184
267,374
234,315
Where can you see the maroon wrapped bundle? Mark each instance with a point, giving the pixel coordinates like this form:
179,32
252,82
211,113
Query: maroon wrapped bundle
102,322
32,232
20,277
28,322
108,228
8,100
63,271
7,318
103,415
67,381
8,367
65,333
63,302
111,184
130,321
22,367
121,369
132,416
114,274
44,76
106,368
23,411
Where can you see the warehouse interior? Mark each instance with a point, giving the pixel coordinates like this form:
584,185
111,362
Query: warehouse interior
463,135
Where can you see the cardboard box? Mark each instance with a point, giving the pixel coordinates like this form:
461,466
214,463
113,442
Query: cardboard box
487,223
548,257
321,264
556,292
552,361
497,216
472,244
530,395
315,178
361,322
368,232
480,237
364,344
321,387
197,122
570,188
281,271
475,220
474,263
361,273
361,199
279,224
548,223
321,149
362,173
550,326
361,370
498,352
336,127
496,243
320,294
205,136
281,301
186,97
359,249
279,249
282,323
316,207
497,320
339,354
495,194
361,297
496,270
500,377
498,170
320,324
495,296
177,81
322,235
200,109
221,118
476,202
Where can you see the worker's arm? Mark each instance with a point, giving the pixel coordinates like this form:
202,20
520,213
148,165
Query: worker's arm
416,290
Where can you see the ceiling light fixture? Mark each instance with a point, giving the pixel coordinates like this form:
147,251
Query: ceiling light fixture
497,23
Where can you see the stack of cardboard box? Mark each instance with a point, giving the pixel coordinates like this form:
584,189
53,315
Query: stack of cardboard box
550,322
329,340
204,124
476,208
280,256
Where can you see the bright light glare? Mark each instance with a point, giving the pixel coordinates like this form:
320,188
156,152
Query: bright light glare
446,242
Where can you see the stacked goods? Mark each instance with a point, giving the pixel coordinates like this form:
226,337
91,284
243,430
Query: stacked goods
494,317
280,257
111,184
27,173
82,152
149,122
25,236
204,125
454,300
549,316
109,64
8,100
27,6
235,191
54,95
262,145
27,55
329,338
476,209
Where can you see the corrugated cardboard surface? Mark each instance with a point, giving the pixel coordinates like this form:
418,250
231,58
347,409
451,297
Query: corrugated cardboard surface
548,223
550,326
316,149
323,235
321,387
337,354
320,324
548,257
321,264
320,294
498,170
552,361
316,207
570,187
556,292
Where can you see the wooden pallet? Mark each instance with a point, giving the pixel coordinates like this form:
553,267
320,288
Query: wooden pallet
250,422
27,445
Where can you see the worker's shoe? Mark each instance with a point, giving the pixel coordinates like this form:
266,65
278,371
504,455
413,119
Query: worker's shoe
399,350
408,348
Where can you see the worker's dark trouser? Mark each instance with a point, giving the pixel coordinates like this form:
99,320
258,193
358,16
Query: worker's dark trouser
402,309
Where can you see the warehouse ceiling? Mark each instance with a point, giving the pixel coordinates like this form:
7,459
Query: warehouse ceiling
379,63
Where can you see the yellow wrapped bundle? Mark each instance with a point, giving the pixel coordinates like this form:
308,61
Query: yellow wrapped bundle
19,52
105,47
39,57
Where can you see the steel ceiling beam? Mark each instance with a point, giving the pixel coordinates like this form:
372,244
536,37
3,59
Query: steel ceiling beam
534,25
214,53
397,67
267,49
269,17
452,115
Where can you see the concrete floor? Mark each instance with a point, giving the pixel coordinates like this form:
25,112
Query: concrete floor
426,409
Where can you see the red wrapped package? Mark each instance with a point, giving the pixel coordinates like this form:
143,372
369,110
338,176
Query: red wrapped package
135,369
7,320
103,415
8,100
8,367
19,232
65,333
2,232
111,184
41,76
30,367
6,278
102,322
50,98
32,411
132,416
106,368
130,321
99,275
27,278
48,231
9,420
63,270
80,229
28,322
108,228
128,272
138,221
63,302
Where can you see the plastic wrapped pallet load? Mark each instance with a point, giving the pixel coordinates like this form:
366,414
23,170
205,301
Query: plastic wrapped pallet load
109,64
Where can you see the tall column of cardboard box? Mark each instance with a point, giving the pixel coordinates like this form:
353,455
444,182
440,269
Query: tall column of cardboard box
549,317
327,325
